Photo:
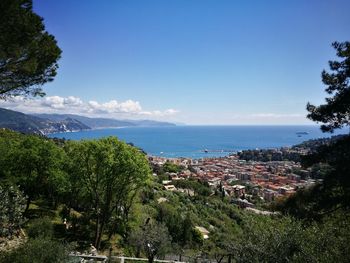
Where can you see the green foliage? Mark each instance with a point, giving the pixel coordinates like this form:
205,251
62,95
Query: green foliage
153,239
327,241
300,205
331,163
12,205
336,112
171,167
28,54
266,240
40,228
99,179
37,251
107,176
163,177
180,226
36,165
331,159
287,240
336,182
314,144
8,140
106,189
197,236
198,187
267,155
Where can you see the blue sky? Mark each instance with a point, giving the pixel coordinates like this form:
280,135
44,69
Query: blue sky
191,61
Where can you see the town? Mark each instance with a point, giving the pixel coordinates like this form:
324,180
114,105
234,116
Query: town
244,181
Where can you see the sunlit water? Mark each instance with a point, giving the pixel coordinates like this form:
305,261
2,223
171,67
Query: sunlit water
192,141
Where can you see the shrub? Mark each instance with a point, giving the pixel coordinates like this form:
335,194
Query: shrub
12,205
38,250
40,228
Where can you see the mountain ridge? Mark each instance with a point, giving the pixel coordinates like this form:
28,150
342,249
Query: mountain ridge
25,123
99,123
45,124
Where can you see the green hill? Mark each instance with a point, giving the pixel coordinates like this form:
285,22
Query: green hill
24,123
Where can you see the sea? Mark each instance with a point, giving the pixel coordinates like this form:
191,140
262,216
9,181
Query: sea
204,141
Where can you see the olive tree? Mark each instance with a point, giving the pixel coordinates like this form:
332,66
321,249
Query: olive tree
153,239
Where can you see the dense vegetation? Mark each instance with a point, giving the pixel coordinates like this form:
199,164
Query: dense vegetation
294,153
101,192
66,195
268,155
334,193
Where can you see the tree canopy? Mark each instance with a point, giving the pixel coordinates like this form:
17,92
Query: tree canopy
336,112
334,191
35,164
153,239
107,190
109,173
28,53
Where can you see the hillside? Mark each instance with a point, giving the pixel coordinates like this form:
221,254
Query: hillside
98,123
24,123
189,219
54,123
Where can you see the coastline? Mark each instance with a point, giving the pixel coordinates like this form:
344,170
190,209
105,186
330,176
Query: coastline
192,141
91,129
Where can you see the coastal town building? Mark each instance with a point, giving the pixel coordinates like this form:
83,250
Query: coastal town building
267,180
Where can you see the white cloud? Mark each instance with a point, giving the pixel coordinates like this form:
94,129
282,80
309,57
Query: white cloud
131,109
74,105
114,106
57,102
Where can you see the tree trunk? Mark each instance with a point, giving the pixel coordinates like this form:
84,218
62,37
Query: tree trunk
150,259
27,204
110,234
97,232
138,251
54,203
100,232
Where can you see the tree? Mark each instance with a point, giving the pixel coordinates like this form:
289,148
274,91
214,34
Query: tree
282,239
28,53
267,240
35,164
153,239
336,112
334,192
110,173
8,140
217,246
171,167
